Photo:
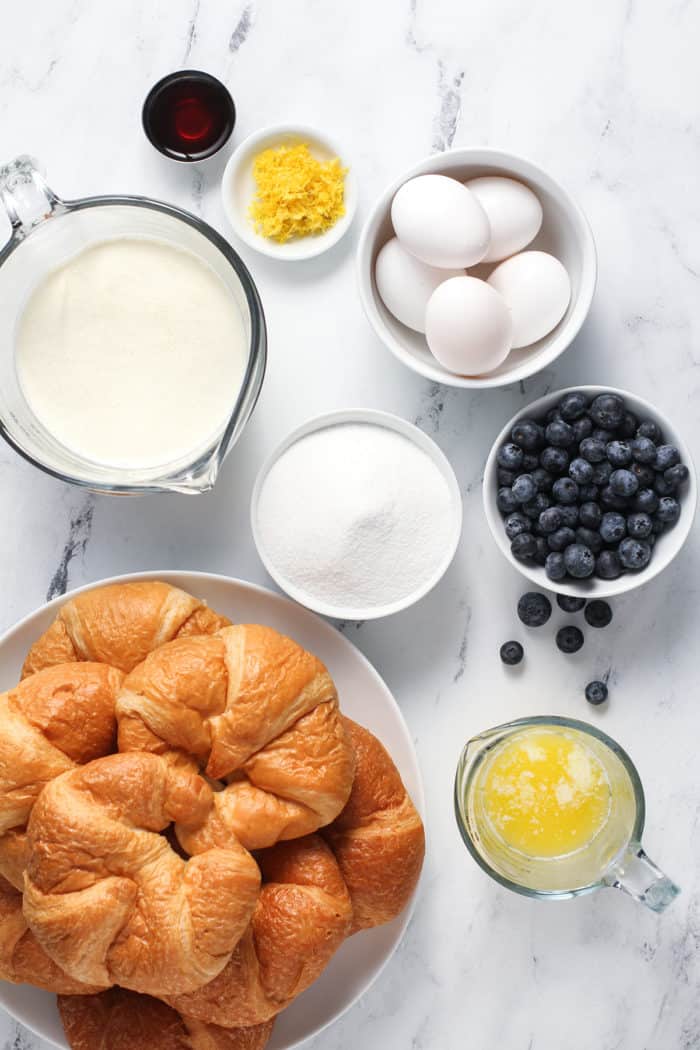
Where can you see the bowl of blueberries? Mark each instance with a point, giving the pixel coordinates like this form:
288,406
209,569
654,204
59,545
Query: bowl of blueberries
590,491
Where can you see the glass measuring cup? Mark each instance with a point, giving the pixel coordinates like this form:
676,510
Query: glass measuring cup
46,232
614,857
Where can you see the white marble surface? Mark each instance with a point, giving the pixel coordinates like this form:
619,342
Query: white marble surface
603,94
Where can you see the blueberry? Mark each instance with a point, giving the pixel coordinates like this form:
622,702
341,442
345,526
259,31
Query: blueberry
666,456
610,499
643,450
669,510
583,428
565,490
523,546
644,475
596,693
619,453
553,414
676,475
559,434
628,426
511,653
579,561
534,609
657,527
606,436
581,470
569,639
634,554
524,488
646,501
589,538
569,514
592,450
531,461
561,539
663,487
555,566
506,501
598,613
623,483
602,472
528,434
570,604
607,410
613,527
573,405
590,515
542,552
607,565
510,456
555,460
589,493
549,520
649,429
543,479
515,524
534,507
639,525
505,477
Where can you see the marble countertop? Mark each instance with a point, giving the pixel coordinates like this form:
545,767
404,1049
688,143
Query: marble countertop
605,96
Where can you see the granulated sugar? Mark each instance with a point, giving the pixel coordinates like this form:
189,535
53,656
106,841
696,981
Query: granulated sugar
355,515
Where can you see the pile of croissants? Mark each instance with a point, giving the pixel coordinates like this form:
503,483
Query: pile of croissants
189,828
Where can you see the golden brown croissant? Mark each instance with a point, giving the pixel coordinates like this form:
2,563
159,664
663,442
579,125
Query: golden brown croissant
302,917
249,704
378,839
119,624
109,899
22,961
121,1020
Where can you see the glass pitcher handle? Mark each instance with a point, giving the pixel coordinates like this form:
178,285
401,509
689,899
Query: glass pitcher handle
26,196
635,874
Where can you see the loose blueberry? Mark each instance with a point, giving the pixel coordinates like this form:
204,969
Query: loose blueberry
589,538
570,604
581,470
515,524
523,546
549,520
569,514
623,483
606,436
569,639
510,456
534,609
643,450
561,539
542,552
579,561
543,479
639,525
607,565
612,500
554,460
619,453
592,450
628,427
524,488
511,653
601,473
646,501
573,405
590,515
555,566
666,456
534,507
559,434
506,501
583,428
663,487
528,434
589,493
607,410
598,613
634,554
669,510
676,475
613,527
596,693
565,490
649,429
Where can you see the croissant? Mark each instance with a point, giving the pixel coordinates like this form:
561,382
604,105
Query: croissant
108,898
378,839
22,961
59,718
249,704
302,917
119,624
121,1020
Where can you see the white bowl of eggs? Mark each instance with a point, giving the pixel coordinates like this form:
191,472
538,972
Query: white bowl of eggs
476,268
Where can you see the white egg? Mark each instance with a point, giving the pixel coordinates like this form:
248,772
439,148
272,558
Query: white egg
468,326
537,289
514,214
439,221
405,283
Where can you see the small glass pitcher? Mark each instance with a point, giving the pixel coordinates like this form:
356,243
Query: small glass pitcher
46,232
614,857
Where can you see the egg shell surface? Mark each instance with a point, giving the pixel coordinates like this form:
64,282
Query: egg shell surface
440,221
514,214
537,289
405,283
468,326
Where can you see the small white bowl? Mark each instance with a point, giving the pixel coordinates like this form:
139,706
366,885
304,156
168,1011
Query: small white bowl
391,422
668,543
565,233
238,190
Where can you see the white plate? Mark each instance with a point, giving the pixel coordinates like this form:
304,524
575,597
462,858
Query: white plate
363,696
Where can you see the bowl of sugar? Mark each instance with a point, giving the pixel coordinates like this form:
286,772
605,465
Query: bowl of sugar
356,514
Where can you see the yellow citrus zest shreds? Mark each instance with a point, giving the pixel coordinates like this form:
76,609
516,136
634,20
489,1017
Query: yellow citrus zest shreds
297,195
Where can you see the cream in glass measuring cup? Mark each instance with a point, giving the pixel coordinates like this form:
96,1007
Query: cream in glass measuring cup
553,808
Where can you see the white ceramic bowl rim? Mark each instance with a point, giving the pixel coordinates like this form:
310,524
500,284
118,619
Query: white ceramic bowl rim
594,587
298,250
422,441
517,167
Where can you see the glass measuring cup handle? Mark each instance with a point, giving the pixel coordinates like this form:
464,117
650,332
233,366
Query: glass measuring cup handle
26,196
635,874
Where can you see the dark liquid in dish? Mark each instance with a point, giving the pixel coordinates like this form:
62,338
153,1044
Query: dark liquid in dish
189,116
